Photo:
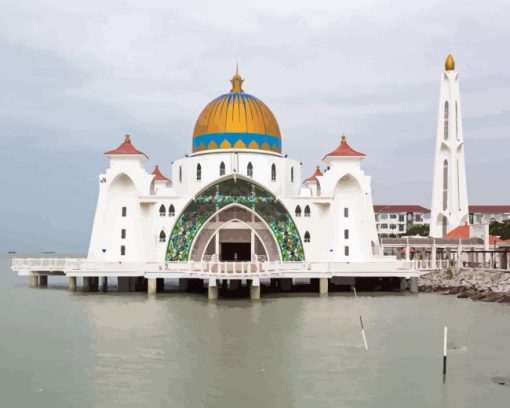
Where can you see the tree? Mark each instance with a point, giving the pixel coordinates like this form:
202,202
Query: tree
500,229
418,229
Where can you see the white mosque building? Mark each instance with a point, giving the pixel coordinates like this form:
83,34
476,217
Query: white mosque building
236,208
236,197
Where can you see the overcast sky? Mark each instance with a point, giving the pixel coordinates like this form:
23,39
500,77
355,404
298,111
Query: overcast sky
75,78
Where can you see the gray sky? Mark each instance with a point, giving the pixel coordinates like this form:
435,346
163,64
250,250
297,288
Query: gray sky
75,78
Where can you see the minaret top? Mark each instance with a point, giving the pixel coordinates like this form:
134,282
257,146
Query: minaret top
449,64
237,82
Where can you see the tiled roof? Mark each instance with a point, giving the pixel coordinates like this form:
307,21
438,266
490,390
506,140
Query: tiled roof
462,231
493,209
379,208
158,176
314,176
126,148
344,149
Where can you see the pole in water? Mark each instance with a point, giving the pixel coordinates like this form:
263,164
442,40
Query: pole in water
445,342
360,319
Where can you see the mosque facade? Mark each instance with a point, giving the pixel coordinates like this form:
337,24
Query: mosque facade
236,197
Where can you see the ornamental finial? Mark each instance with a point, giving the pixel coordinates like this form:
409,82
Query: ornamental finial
449,64
127,138
344,141
237,81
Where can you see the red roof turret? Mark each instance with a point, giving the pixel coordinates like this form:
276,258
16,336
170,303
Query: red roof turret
344,150
314,176
126,148
158,176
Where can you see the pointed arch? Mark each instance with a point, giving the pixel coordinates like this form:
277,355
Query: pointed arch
292,174
162,236
307,237
244,192
249,170
307,211
298,211
273,172
445,184
199,172
180,174
222,169
162,210
171,210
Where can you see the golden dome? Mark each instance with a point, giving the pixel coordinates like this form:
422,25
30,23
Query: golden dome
236,121
449,64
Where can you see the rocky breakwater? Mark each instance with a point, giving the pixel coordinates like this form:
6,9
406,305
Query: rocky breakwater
476,284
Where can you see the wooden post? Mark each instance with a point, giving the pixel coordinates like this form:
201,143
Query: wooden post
445,348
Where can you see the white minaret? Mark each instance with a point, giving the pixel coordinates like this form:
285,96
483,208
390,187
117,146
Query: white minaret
449,192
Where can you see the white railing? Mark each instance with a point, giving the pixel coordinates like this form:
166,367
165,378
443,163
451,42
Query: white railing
421,264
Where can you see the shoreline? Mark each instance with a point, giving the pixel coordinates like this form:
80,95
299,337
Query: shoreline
483,285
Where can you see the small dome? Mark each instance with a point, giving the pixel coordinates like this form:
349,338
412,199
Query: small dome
449,64
237,121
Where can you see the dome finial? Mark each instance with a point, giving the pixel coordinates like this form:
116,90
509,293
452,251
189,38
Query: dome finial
449,64
343,139
237,81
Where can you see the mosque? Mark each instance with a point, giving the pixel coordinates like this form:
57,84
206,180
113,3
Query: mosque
237,209
237,197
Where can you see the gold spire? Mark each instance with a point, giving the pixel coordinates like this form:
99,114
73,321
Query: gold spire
237,81
449,64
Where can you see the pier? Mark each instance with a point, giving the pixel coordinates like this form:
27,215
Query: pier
216,277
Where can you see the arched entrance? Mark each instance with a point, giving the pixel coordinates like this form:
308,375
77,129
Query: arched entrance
245,194
235,233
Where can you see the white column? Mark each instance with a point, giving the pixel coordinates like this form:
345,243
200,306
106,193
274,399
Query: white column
217,245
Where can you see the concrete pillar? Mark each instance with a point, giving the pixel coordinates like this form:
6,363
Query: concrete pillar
152,286
403,284
43,281
183,284
255,289
104,283
323,286
413,285
86,284
72,284
33,281
212,290
286,284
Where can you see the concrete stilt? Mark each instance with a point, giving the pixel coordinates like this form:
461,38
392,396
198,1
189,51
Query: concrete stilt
255,289
413,285
72,284
103,282
152,286
43,281
403,284
212,290
323,286
33,281
86,284
183,284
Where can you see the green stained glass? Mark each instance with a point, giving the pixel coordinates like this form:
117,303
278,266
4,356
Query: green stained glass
240,192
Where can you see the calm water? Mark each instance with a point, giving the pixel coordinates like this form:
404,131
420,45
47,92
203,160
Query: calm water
60,349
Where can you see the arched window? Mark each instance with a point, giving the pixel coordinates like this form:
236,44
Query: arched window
446,113
199,172
292,174
171,210
445,184
307,236
307,211
298,211
180,174
273,172
222,169
249,170
162,236
123,250
162,211
346,234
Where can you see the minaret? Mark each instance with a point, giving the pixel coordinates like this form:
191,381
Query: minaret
449,192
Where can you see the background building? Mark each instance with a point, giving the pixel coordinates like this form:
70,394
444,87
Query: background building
395,220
